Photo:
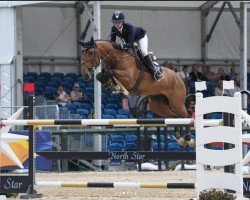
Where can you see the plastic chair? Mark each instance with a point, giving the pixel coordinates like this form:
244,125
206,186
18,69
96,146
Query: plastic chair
38,91
43,79
130,138
71,74
130,147
79,79
49,93
82,111
115,147
105,116
40,84
109,112
56,79
53,84
84,106
90,84
33,74
29,79
58,74
123,112
69,79
46,74
71,106
121,116
112,106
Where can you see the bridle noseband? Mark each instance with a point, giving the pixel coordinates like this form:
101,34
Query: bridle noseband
94,57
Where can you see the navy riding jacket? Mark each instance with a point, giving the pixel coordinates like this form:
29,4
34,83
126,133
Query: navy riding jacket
130,34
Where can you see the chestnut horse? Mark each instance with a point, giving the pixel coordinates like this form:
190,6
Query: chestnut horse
166,97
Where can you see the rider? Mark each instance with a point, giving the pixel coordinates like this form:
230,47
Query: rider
133,34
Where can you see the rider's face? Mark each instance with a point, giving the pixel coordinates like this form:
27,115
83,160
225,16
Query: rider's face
118,25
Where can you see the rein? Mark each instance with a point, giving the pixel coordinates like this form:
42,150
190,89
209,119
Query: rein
93,58
116,60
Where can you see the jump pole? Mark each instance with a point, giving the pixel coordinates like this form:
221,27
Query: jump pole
108,122
128,185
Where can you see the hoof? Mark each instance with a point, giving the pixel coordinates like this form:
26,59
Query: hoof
191,143
180,141
117,89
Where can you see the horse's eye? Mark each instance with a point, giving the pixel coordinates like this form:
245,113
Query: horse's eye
90,53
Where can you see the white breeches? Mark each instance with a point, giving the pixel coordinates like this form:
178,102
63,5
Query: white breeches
143,43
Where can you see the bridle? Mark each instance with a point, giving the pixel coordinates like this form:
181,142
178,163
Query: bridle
94,57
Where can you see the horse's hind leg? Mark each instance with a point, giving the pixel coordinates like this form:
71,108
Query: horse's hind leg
162,110
177,104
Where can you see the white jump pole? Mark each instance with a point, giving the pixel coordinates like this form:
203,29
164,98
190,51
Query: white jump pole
107,122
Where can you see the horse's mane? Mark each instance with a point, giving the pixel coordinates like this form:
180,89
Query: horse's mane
102,40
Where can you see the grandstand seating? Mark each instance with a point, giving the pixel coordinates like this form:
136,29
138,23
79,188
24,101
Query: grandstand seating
130,138
29,79
106,116
47,74
121,111
33,74
109,112
50,93
121,116
112,106
130,147
58,74
84,113
85,106
68,79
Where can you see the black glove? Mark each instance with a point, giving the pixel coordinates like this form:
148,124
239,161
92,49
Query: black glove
118,46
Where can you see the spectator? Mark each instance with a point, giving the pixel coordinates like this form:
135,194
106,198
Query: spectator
191,113
221,75
233,72
209,75
218,91
195,75
184,74
168,64
174,68
237,79
125,104
76,95
235,89
62,97
191,109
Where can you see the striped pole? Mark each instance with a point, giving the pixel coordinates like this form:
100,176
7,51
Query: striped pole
109,122
116,185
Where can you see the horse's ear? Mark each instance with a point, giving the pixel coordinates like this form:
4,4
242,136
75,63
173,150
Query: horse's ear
92,41
81,42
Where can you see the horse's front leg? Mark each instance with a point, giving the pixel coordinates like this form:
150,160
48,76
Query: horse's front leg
105,77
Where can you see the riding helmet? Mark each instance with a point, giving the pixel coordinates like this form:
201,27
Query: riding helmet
117,17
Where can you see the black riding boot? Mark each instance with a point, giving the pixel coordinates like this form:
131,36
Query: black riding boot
156,73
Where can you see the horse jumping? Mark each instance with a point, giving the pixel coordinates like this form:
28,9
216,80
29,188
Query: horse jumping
166,97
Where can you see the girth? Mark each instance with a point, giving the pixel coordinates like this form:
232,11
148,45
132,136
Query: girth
134,90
